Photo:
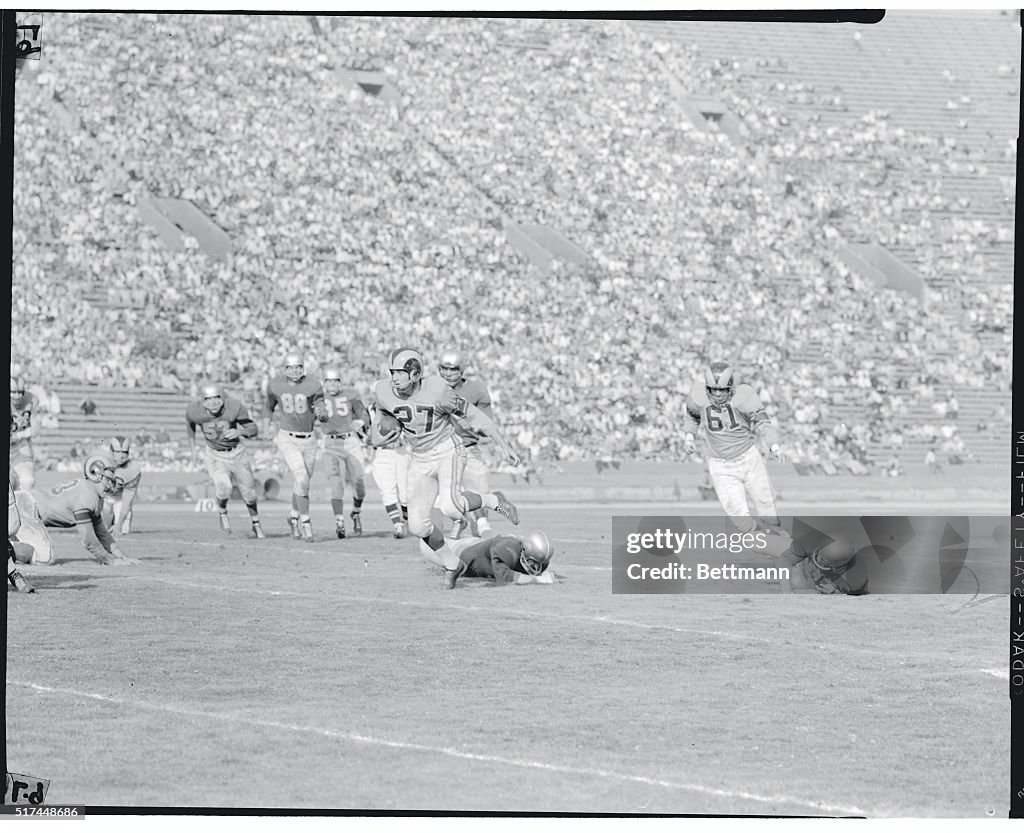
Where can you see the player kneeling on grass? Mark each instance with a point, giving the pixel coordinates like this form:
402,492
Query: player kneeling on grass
224,421
508,559
16,579
74,504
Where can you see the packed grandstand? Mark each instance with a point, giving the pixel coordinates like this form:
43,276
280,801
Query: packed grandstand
386,180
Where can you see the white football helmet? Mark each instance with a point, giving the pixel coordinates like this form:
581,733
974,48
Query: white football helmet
213,398
451,366
17,389
294,367
408,362
120,450
332,381
100,468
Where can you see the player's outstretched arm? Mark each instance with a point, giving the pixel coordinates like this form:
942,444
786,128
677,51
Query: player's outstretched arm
480,422
101,544
691,422
766,430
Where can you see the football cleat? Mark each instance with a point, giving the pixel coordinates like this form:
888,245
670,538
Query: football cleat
257,530
307,530
506,507
293,523
452,576
20,583
225,524
339,527
459,527
357,523
400,530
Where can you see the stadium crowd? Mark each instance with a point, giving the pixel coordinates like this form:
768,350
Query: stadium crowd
359,223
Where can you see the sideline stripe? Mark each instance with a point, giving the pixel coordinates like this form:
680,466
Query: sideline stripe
1001,673
831,809
781,642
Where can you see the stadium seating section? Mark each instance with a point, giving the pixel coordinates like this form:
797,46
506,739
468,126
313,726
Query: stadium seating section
359,222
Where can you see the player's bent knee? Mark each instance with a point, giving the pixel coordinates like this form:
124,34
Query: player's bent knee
420,527
453,507
301,485
23,553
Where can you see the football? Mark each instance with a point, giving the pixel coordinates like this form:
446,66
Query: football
387,424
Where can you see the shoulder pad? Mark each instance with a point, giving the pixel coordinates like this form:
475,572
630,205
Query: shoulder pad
746,397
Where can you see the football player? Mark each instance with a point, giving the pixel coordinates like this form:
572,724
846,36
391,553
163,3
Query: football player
117,511
22,460
16,550
294,395
474,476
76,504
342,417
733,419
508,559
820,564
224,421
426,408
391,473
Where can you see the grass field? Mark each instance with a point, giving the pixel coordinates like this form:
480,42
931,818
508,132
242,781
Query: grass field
338,674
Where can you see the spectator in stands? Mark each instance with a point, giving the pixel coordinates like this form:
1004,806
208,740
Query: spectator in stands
88,406
409,216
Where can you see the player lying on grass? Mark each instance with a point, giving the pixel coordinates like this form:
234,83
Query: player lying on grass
424,409
74,504
508,559
825,566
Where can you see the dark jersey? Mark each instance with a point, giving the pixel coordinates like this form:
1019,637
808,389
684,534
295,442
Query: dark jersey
340,410
497,558
475,393
232,415
851,579
294,401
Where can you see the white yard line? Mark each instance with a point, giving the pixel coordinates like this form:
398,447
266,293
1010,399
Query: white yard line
773,800
1001,673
